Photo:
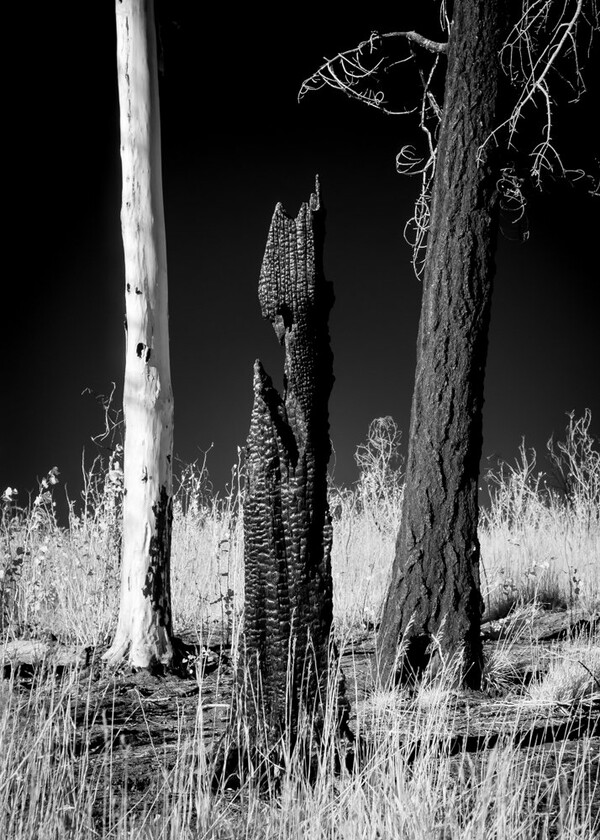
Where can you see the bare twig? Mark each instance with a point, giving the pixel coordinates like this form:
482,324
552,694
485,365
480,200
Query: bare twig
541,56
546,36
354,71
347,70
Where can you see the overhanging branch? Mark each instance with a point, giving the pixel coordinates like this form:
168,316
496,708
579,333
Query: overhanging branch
421,40
356,73
349,71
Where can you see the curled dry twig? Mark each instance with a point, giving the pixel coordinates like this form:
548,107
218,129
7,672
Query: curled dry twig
542,58
355,72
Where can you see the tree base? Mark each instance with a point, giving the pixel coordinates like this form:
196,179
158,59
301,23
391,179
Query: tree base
188,659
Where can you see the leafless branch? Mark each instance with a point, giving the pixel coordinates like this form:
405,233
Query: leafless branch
348,71
426,43
354,72
542,52
417,227
542,57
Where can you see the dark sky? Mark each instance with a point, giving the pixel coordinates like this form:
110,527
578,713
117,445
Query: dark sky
235,141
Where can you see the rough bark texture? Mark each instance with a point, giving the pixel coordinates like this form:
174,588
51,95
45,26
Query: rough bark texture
287,526
435,580
144,629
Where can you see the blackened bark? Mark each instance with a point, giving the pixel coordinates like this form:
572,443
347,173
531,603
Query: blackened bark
287,525
435,577
158,575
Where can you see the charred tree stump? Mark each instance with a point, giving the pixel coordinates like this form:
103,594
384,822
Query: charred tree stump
287,525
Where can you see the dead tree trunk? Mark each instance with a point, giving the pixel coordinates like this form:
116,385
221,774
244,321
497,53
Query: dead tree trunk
144,634
287,525
434,590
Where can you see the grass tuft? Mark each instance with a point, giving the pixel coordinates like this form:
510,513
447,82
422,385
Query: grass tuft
422,765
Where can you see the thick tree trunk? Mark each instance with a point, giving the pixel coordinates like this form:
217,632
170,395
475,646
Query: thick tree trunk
144,628
435,580
287,526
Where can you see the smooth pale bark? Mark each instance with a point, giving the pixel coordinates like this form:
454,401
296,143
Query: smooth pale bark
434,591
144,632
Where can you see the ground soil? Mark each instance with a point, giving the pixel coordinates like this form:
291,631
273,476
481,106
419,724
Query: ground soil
139,721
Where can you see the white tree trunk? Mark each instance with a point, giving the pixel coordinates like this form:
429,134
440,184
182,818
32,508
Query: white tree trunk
144,632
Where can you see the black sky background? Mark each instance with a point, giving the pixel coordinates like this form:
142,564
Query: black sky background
235,142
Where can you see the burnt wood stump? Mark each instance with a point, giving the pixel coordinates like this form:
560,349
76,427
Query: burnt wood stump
287,524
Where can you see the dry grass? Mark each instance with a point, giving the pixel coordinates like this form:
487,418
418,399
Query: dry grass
540,536
539,547
571,676
53,784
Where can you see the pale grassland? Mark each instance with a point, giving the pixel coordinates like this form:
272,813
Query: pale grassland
540,538
539,533
538,543
540,546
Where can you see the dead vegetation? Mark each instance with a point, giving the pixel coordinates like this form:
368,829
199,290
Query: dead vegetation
90,751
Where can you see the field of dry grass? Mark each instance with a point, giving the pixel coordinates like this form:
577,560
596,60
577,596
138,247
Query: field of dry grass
90,753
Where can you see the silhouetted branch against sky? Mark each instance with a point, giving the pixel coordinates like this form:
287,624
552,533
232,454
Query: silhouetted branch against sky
235,141
543,58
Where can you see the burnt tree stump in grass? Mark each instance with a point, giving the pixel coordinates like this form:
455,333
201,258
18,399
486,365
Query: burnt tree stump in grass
287,524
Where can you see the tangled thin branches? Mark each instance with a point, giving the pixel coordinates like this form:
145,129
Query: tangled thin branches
542,58
348,71
112,433
409,163
512,198
354,72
